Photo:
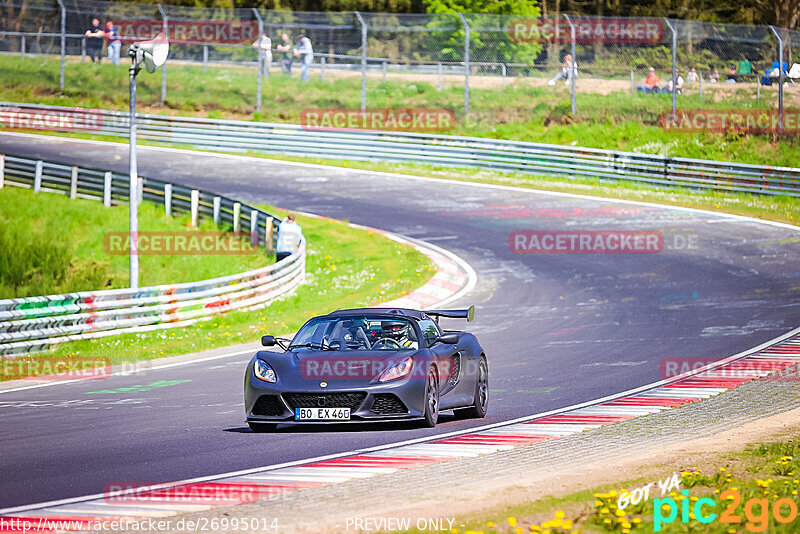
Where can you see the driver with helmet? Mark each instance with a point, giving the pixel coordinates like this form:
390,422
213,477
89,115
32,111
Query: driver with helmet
399,331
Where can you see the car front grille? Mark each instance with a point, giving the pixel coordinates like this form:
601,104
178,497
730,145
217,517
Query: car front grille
333,400
269,405
387,404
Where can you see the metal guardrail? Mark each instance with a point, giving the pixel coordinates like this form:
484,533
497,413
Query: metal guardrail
36,323
405,147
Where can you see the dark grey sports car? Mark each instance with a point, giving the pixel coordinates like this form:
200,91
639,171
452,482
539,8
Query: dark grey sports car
368,364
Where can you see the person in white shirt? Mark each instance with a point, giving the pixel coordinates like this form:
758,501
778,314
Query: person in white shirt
265,43
290,237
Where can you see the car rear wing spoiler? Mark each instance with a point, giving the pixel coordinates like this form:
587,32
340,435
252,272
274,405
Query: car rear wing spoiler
468,314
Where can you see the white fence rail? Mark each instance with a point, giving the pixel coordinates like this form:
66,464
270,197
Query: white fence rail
404,147
36,323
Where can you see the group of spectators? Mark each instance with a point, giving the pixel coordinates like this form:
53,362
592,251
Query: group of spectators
95,36
302,50
651,83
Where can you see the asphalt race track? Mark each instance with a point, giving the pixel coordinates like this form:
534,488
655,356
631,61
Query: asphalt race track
558,328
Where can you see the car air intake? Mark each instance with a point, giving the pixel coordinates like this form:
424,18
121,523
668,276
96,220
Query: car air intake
325,400
387,404
269,405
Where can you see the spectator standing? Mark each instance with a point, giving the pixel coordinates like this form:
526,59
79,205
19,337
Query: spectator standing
713,75
691,76
568,70
285,48
114,42
650,84
265,43
94,40
290,237
304,51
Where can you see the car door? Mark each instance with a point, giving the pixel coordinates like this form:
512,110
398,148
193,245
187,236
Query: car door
449,358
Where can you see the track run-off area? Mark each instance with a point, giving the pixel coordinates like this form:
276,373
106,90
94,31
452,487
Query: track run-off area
575,322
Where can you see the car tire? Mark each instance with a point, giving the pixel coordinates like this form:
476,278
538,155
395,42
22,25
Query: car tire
481,398
262,427
431,413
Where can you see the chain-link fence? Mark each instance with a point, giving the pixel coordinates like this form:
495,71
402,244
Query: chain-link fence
489,71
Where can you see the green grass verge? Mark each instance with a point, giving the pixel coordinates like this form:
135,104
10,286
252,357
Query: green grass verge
346,267
759,477
51,244
618,121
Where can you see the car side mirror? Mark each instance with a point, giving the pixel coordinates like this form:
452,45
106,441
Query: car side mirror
447,339
268,341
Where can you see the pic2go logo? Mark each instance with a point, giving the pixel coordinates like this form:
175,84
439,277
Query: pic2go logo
756,511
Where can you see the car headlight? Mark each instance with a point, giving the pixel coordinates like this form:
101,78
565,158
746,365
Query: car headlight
263,371
397,370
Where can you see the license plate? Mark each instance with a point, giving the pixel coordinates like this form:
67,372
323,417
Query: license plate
321,414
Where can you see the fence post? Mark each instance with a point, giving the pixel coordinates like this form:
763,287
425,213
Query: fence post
195,207
262,59
674,64
384,71
758,90
268,228
503,70
165,29
633,83
2,169
83,49
63,44
205,58
254,228
216,209
573,106
168,200
439,68
73,182
322,69
107,189
701,84
466,63
780,78
22,47
363,61
37,177
237,212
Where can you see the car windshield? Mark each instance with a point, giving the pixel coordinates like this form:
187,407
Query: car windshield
358,332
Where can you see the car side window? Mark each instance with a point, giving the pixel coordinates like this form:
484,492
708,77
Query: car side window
430,330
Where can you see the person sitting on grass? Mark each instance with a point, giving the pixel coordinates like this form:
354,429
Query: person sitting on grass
568,70
678,85
650,84
731,74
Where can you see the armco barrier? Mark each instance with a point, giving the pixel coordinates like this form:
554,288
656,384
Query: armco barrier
36,323
519,156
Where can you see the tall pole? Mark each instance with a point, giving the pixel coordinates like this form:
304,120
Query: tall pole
674,65
466,62
165,30
573,104
63,44
780,78
363,61
261,58
133,193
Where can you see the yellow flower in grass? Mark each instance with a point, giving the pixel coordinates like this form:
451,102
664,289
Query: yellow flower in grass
606,521
559,514
636,520
490,524
512,521
536,528
620,513
598,504
604,510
